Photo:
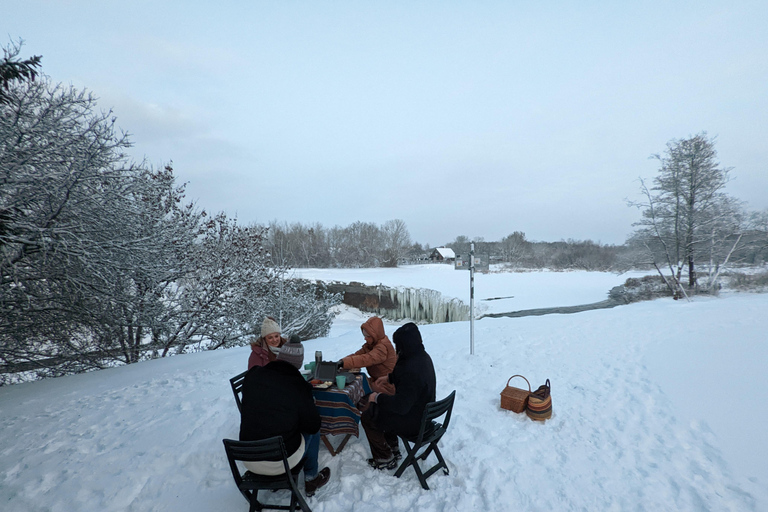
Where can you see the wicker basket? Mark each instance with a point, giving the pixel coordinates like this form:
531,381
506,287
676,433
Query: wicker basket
515,399
539,406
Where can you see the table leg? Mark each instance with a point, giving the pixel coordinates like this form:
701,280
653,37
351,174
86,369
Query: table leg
328,444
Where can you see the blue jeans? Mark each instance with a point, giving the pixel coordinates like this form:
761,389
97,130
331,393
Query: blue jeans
311,450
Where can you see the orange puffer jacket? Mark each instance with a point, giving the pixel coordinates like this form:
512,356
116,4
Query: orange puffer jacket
378,357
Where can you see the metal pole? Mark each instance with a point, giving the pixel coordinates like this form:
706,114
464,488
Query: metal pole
472,299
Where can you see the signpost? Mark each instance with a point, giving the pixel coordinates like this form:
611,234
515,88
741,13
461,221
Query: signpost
472,299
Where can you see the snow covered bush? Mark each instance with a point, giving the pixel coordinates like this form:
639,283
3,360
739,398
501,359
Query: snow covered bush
748,281
637,289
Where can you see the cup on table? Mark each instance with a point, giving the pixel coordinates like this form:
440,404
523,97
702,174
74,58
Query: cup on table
341,381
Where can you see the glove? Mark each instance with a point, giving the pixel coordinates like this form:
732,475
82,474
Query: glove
340,364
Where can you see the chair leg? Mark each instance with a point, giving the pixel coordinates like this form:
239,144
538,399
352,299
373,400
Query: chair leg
302,504
420,475
440,464
254,506
297,498
409,459
439,455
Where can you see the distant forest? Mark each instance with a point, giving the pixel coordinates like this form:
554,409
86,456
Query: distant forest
365,244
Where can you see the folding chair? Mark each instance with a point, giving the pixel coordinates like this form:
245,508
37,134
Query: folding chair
429,434
250,484
237,389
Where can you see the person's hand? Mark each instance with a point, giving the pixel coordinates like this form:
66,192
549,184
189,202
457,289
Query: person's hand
373,397
340,364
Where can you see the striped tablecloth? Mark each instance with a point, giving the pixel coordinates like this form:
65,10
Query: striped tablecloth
338,407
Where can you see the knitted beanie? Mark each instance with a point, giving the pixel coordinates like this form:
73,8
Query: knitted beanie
268,326
292,352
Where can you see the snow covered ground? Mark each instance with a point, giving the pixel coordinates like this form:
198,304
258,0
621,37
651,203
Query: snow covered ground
657,406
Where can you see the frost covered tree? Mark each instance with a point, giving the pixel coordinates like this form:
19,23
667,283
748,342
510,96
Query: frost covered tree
686,216
302,308
88,240
396,242
102,261
357,245
298,245
514,247
61,202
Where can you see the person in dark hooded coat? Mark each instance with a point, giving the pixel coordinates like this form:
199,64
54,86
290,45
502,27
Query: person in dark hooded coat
415,382
278,401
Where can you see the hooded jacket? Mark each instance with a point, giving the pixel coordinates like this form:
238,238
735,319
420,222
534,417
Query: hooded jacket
277,401
261,354
378,356
415,383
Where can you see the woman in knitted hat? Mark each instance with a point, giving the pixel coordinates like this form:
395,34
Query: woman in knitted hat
265,348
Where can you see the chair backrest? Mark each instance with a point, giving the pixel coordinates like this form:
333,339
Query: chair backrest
271,449
435,410
237,389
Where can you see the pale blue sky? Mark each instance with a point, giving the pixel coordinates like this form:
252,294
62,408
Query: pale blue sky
477,118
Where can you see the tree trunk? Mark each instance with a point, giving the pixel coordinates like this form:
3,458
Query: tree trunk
691,273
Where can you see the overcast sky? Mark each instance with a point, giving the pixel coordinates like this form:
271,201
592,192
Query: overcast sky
474,118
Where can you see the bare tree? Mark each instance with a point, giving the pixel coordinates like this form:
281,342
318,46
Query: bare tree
514,247
396,240
460,245
686,214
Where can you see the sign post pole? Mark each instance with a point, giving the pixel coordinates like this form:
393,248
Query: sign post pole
472,299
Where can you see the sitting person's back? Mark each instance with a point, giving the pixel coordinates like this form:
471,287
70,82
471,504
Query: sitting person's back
400,414
277,401
415,381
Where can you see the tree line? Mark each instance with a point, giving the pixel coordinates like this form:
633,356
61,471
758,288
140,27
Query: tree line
361,244
366,244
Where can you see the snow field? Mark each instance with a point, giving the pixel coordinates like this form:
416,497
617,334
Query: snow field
643,420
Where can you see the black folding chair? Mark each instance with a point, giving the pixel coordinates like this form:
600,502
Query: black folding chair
429,434
237,389
250,484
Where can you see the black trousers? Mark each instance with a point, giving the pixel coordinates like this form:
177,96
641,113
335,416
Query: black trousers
382,443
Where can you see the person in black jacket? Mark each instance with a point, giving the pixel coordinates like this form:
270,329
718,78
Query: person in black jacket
401,413
278,401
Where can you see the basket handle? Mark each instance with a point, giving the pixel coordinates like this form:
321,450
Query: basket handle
526,380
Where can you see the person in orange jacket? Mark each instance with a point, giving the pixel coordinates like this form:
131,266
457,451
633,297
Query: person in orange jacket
377,356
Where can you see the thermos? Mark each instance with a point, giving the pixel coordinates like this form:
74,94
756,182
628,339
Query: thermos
318,358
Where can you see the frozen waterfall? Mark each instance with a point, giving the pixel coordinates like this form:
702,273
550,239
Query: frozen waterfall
423,305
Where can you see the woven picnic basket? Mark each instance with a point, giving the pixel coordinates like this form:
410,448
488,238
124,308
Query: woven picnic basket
539,406
515,399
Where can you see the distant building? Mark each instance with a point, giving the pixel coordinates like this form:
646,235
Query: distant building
443,254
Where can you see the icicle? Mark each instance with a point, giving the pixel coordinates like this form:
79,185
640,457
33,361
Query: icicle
423,305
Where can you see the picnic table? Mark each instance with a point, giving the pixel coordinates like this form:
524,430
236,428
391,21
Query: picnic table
338,410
